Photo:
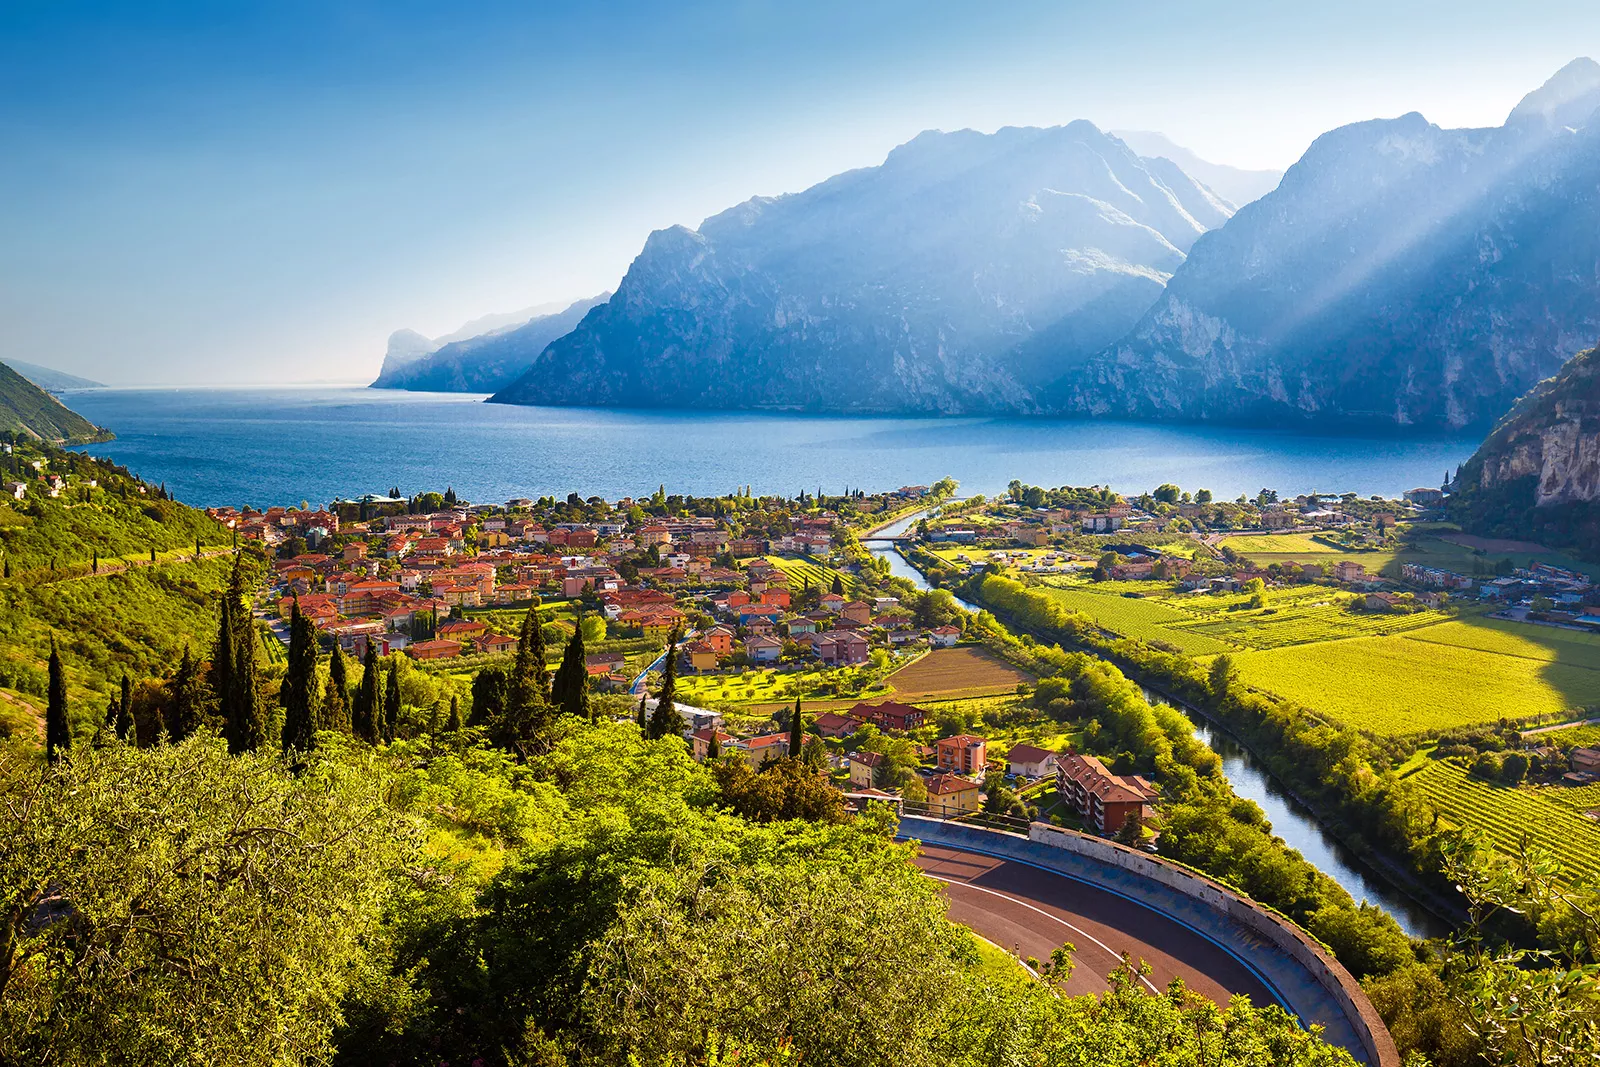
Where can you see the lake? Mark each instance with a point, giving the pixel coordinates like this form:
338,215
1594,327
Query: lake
284,445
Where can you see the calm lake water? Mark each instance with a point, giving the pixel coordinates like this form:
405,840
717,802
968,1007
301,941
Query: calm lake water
284,445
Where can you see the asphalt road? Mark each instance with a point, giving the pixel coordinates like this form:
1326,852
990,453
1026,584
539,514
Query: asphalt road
1031,911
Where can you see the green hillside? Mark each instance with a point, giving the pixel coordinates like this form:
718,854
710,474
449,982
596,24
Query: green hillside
29,412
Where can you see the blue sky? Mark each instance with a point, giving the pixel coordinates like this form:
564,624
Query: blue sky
251,192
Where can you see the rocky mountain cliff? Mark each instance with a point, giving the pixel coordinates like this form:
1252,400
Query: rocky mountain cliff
1537,475
481,363
958,276
1400,274
29,412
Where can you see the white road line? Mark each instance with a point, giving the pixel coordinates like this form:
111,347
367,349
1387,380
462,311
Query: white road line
1054,918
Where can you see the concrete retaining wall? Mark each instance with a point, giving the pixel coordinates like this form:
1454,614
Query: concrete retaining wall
1289,939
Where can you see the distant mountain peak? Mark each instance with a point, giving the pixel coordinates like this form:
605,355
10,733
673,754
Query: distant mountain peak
1569,99
1235,185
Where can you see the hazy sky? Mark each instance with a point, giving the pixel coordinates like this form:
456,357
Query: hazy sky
251,192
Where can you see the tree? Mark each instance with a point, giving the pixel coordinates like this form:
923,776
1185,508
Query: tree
391,704
453,724
220,675
525,726
666,719
797,731
185,708
838,586
244,723
713,746
207,879
1202,496
300,684
336,698
644,722
57,734
124,725
1222,675
364,712
570,689
1167,493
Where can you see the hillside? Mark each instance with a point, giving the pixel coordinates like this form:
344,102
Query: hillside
50,379
958,276
30,413
1537,475
77,565
481,363
1401,274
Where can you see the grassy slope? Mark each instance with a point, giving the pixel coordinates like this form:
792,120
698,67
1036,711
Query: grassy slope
132,616
30,411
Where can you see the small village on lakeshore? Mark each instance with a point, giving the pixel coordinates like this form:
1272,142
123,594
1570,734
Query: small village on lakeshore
769,603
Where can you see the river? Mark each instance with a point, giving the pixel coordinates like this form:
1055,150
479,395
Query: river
1289,818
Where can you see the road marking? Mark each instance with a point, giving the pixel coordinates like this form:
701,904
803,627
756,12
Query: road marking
1056,918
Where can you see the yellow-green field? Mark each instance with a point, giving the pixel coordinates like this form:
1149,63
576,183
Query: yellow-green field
1389,673
1549,814
1406,685
800,571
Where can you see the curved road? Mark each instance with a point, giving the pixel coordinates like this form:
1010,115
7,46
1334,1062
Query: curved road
1031,911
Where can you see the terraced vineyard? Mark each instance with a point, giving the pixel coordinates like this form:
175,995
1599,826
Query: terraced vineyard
801,571
1503,815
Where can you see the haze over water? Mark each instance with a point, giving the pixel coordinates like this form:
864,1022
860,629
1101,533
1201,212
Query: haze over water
281,446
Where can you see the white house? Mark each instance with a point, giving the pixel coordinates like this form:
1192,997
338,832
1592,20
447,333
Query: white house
1026,761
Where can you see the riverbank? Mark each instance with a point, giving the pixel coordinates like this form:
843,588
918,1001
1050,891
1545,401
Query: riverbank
1359,870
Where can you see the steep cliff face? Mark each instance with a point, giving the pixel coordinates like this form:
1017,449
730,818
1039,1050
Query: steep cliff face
1537,474
958,276
1400,274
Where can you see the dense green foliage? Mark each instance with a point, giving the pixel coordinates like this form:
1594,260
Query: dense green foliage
28,412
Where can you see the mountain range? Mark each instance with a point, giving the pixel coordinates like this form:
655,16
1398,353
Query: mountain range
28,411
481,357
958,276
1234,184
1398,275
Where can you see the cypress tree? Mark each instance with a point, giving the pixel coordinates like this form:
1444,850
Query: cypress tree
364,713
391,704
797,730
184,710
57,735
644,724
570,690
94,562
838,586
336,701
666,719
221,672
244,724
300,683
152,553
453,724
530,677
125,711
713,746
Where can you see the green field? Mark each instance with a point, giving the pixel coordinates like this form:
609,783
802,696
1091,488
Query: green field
1204,625
1503,637
801,571
1406,685
1504,814
1147,619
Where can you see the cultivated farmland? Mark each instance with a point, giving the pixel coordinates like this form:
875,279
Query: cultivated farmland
1404,685
1504,814
953,672
801,571
1147,619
